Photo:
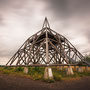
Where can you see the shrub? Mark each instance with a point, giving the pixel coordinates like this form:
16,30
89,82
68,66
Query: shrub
8,68
19,69
36,73
37,76
6,72
57,77
87,57
33,70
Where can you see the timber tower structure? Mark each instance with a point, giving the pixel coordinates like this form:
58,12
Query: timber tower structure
46,47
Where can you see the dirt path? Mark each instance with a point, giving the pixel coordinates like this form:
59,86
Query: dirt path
18,83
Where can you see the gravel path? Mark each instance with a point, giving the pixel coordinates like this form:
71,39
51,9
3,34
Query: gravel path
20,83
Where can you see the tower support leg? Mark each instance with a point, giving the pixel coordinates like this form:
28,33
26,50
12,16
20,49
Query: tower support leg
48,73
80,69
69,71
25,70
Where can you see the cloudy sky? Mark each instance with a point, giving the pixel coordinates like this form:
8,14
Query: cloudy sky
19,19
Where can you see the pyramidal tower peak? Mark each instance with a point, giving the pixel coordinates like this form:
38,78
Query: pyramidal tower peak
46,23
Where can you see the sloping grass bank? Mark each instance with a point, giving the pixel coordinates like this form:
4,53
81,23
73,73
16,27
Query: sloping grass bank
36,73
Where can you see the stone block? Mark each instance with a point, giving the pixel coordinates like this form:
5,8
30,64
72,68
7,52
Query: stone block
25,70
69,71
80,69
48,73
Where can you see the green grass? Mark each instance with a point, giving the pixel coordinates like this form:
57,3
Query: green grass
19,69
37,73
61,74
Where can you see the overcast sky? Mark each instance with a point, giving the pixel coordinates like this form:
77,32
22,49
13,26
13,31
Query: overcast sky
19,19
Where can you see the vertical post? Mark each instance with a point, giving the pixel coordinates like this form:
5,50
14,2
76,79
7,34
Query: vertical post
48,71
47,58
80,69
69,56
25,70
69,71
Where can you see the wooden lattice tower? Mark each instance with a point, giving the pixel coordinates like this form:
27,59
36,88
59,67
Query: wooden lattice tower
46,47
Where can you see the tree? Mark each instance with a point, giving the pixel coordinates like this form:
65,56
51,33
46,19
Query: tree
87,57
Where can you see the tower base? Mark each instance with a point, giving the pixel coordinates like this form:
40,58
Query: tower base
48,73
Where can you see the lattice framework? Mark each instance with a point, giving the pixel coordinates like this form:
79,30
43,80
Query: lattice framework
46,47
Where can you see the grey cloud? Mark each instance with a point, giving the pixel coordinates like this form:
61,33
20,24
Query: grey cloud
11,3
1,20
68,8
18,18
21,16
87,33
73,14
59,7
